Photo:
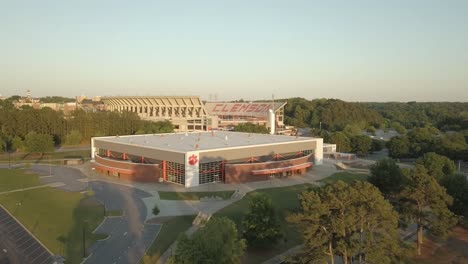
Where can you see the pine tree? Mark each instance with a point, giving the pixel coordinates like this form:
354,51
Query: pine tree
425,203
348,220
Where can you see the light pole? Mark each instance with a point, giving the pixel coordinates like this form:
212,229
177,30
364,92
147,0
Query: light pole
320,124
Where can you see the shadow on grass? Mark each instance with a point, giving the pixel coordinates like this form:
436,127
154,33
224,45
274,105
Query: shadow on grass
86,217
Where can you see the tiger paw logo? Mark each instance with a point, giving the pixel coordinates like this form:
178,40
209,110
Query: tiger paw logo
192,160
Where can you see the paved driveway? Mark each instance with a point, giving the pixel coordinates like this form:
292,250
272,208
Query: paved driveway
129,236
69,176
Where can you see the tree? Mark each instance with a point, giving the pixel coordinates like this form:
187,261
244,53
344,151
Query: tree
73,138
352,130
17,144
437,165
457,187
216,242
260,225
361,144
156,210
343,144
349,220
151,127
38,143
399,128
386,175
425,203
251,128
398,147
377,145
371,130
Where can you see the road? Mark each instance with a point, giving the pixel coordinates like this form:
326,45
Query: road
129,236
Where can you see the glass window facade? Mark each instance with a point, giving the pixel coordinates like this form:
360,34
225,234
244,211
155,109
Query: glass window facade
210,172
175,172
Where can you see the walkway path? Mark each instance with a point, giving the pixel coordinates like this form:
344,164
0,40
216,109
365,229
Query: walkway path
54,184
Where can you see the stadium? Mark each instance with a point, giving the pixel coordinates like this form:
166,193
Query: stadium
195,158
189,113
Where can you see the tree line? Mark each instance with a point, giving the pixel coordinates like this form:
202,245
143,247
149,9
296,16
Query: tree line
39,130
330,114
422,127
421,140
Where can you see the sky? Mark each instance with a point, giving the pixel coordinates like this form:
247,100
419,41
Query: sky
410,50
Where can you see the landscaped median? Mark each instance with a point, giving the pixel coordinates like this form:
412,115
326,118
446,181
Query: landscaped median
224,195
171,228
284,199
56,217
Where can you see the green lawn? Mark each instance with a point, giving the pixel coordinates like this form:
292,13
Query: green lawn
168,234
57,218
13,179
347,177
193,195
38,158
285,199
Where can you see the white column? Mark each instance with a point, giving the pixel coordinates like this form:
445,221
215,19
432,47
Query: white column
192,169
93,149
319,152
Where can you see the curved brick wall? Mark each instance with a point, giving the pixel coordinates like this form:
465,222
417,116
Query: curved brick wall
128,170
243,172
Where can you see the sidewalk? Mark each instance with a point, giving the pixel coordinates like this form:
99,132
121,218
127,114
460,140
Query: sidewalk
54,184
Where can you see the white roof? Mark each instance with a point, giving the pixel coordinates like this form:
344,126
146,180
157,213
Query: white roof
202,141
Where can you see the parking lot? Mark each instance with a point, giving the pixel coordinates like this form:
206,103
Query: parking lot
17,245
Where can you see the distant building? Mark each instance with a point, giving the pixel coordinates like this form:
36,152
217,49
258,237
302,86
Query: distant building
80,98
186,113
28,100
232,114
89,105
189,113
53,106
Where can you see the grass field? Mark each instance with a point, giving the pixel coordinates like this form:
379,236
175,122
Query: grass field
347,177
193,195
285,199
168,234
45,158
57,218
13,179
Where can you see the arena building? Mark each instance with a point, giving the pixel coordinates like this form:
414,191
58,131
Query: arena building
191,159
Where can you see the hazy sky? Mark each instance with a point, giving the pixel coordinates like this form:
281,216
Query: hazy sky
352,50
